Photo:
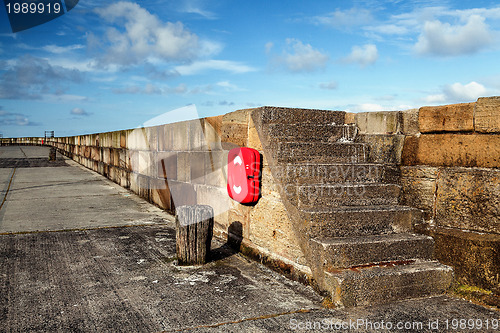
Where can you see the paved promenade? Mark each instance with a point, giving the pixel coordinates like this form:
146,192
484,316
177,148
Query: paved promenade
78,253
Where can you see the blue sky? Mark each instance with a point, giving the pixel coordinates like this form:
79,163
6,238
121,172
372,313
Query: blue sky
113,65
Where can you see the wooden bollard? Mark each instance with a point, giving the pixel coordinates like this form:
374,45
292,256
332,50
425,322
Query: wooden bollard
194,231
52,154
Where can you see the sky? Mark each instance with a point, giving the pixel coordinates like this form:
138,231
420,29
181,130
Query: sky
106,66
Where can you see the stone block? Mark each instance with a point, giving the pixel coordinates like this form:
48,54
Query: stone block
419,188
160,193
166,165
236,117
409,122
350,118
474,256
487,115
234,134
469,199
212,132
197,167
215,123
466,150
217,198
216,168
183,167
123,138
383,148
447,118
182,193
180,136
380,122
197,140
271,229
165,138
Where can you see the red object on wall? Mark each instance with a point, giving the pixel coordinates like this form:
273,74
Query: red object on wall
243,174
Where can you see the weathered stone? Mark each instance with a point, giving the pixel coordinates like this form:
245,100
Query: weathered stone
271,229
183,167
383,148
377,285
419,188
160,193
235,133
270,114
197,141
409,122
215,197
216,168
253,137
469,199
182,193
447,118
487,115
166,165
474,256
180,139
467,150
212,134
350,118
380,122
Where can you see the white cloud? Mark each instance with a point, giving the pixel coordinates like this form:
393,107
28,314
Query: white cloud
363,55
62,49
444,39
457,92
345,18
79,112
206,65
300,57
139,35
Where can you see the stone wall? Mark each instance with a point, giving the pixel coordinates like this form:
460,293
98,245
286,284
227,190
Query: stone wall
448,156
185,163
449,159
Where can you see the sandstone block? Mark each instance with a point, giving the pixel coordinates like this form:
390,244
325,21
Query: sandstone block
381,122
469,199
487,116
466,150
271,228
166,165
474,256
447,118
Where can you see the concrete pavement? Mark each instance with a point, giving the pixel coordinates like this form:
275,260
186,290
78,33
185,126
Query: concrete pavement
81,254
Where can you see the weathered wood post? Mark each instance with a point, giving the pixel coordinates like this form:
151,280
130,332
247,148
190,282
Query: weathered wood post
194,231
52,154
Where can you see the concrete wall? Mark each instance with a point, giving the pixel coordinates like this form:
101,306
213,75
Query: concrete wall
449,158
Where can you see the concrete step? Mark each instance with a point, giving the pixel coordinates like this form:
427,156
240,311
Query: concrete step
301,116
347,194
308,132
383,284
322,173
360,220
319,152
348,252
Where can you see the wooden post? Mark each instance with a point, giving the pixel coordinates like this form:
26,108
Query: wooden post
194,231
52,154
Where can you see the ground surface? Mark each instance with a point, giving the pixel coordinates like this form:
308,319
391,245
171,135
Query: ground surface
79,253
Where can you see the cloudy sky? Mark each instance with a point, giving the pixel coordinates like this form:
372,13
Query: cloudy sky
113,65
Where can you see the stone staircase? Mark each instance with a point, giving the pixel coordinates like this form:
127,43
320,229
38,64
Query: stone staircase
358,240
